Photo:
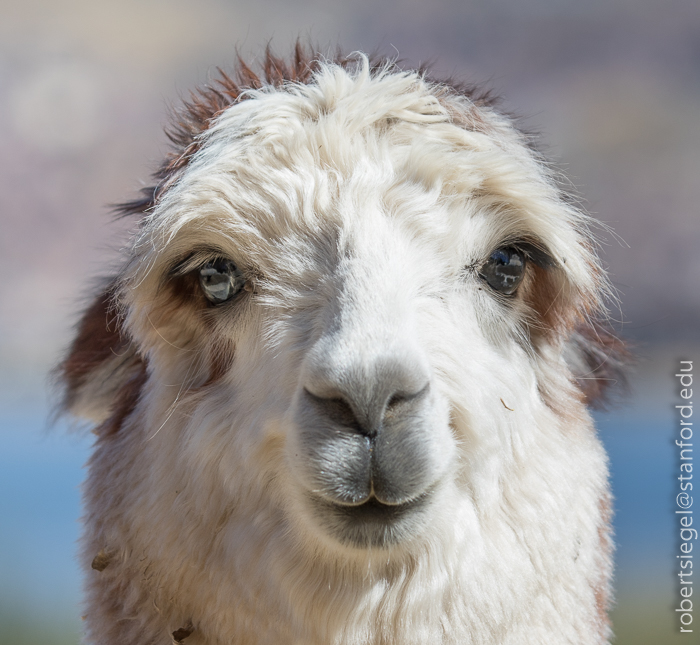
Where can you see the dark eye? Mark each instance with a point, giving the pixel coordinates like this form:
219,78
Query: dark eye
504,270
220,280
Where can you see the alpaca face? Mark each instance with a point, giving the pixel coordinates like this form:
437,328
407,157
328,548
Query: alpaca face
357,302
342,356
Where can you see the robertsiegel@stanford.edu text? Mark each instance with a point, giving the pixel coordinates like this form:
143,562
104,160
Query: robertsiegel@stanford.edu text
684,499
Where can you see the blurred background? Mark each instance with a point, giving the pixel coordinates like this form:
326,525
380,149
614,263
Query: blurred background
85,85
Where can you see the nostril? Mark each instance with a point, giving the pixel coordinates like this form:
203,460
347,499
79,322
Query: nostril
399,399
336,410
394,406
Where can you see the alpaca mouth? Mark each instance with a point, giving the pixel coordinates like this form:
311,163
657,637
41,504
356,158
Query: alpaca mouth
372,523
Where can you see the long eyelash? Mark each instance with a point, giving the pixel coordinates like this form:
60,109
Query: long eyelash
195,260
536,253
533,250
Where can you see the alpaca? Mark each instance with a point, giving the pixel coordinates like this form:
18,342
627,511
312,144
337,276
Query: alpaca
340,385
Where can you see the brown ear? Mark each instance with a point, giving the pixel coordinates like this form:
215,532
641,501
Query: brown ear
597,359
100,362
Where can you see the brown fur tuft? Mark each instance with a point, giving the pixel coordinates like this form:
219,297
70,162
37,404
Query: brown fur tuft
102,372
98,340
125,402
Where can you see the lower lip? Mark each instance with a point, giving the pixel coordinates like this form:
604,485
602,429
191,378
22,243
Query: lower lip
372,524
375,511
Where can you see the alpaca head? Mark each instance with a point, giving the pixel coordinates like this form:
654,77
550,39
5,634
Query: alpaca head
350,319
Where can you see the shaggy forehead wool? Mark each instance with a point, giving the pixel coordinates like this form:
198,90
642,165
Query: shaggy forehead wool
359,203
318,148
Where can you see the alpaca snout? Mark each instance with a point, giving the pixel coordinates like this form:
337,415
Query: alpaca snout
368,446
368,485
351,461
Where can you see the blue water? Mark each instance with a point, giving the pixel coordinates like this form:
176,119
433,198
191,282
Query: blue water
41,471
643,467
40,475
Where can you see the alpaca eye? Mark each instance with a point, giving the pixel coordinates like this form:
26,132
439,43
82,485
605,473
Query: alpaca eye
504,270
220,280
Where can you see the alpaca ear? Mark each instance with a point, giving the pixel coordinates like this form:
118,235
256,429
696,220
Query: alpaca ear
597,359
102,362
